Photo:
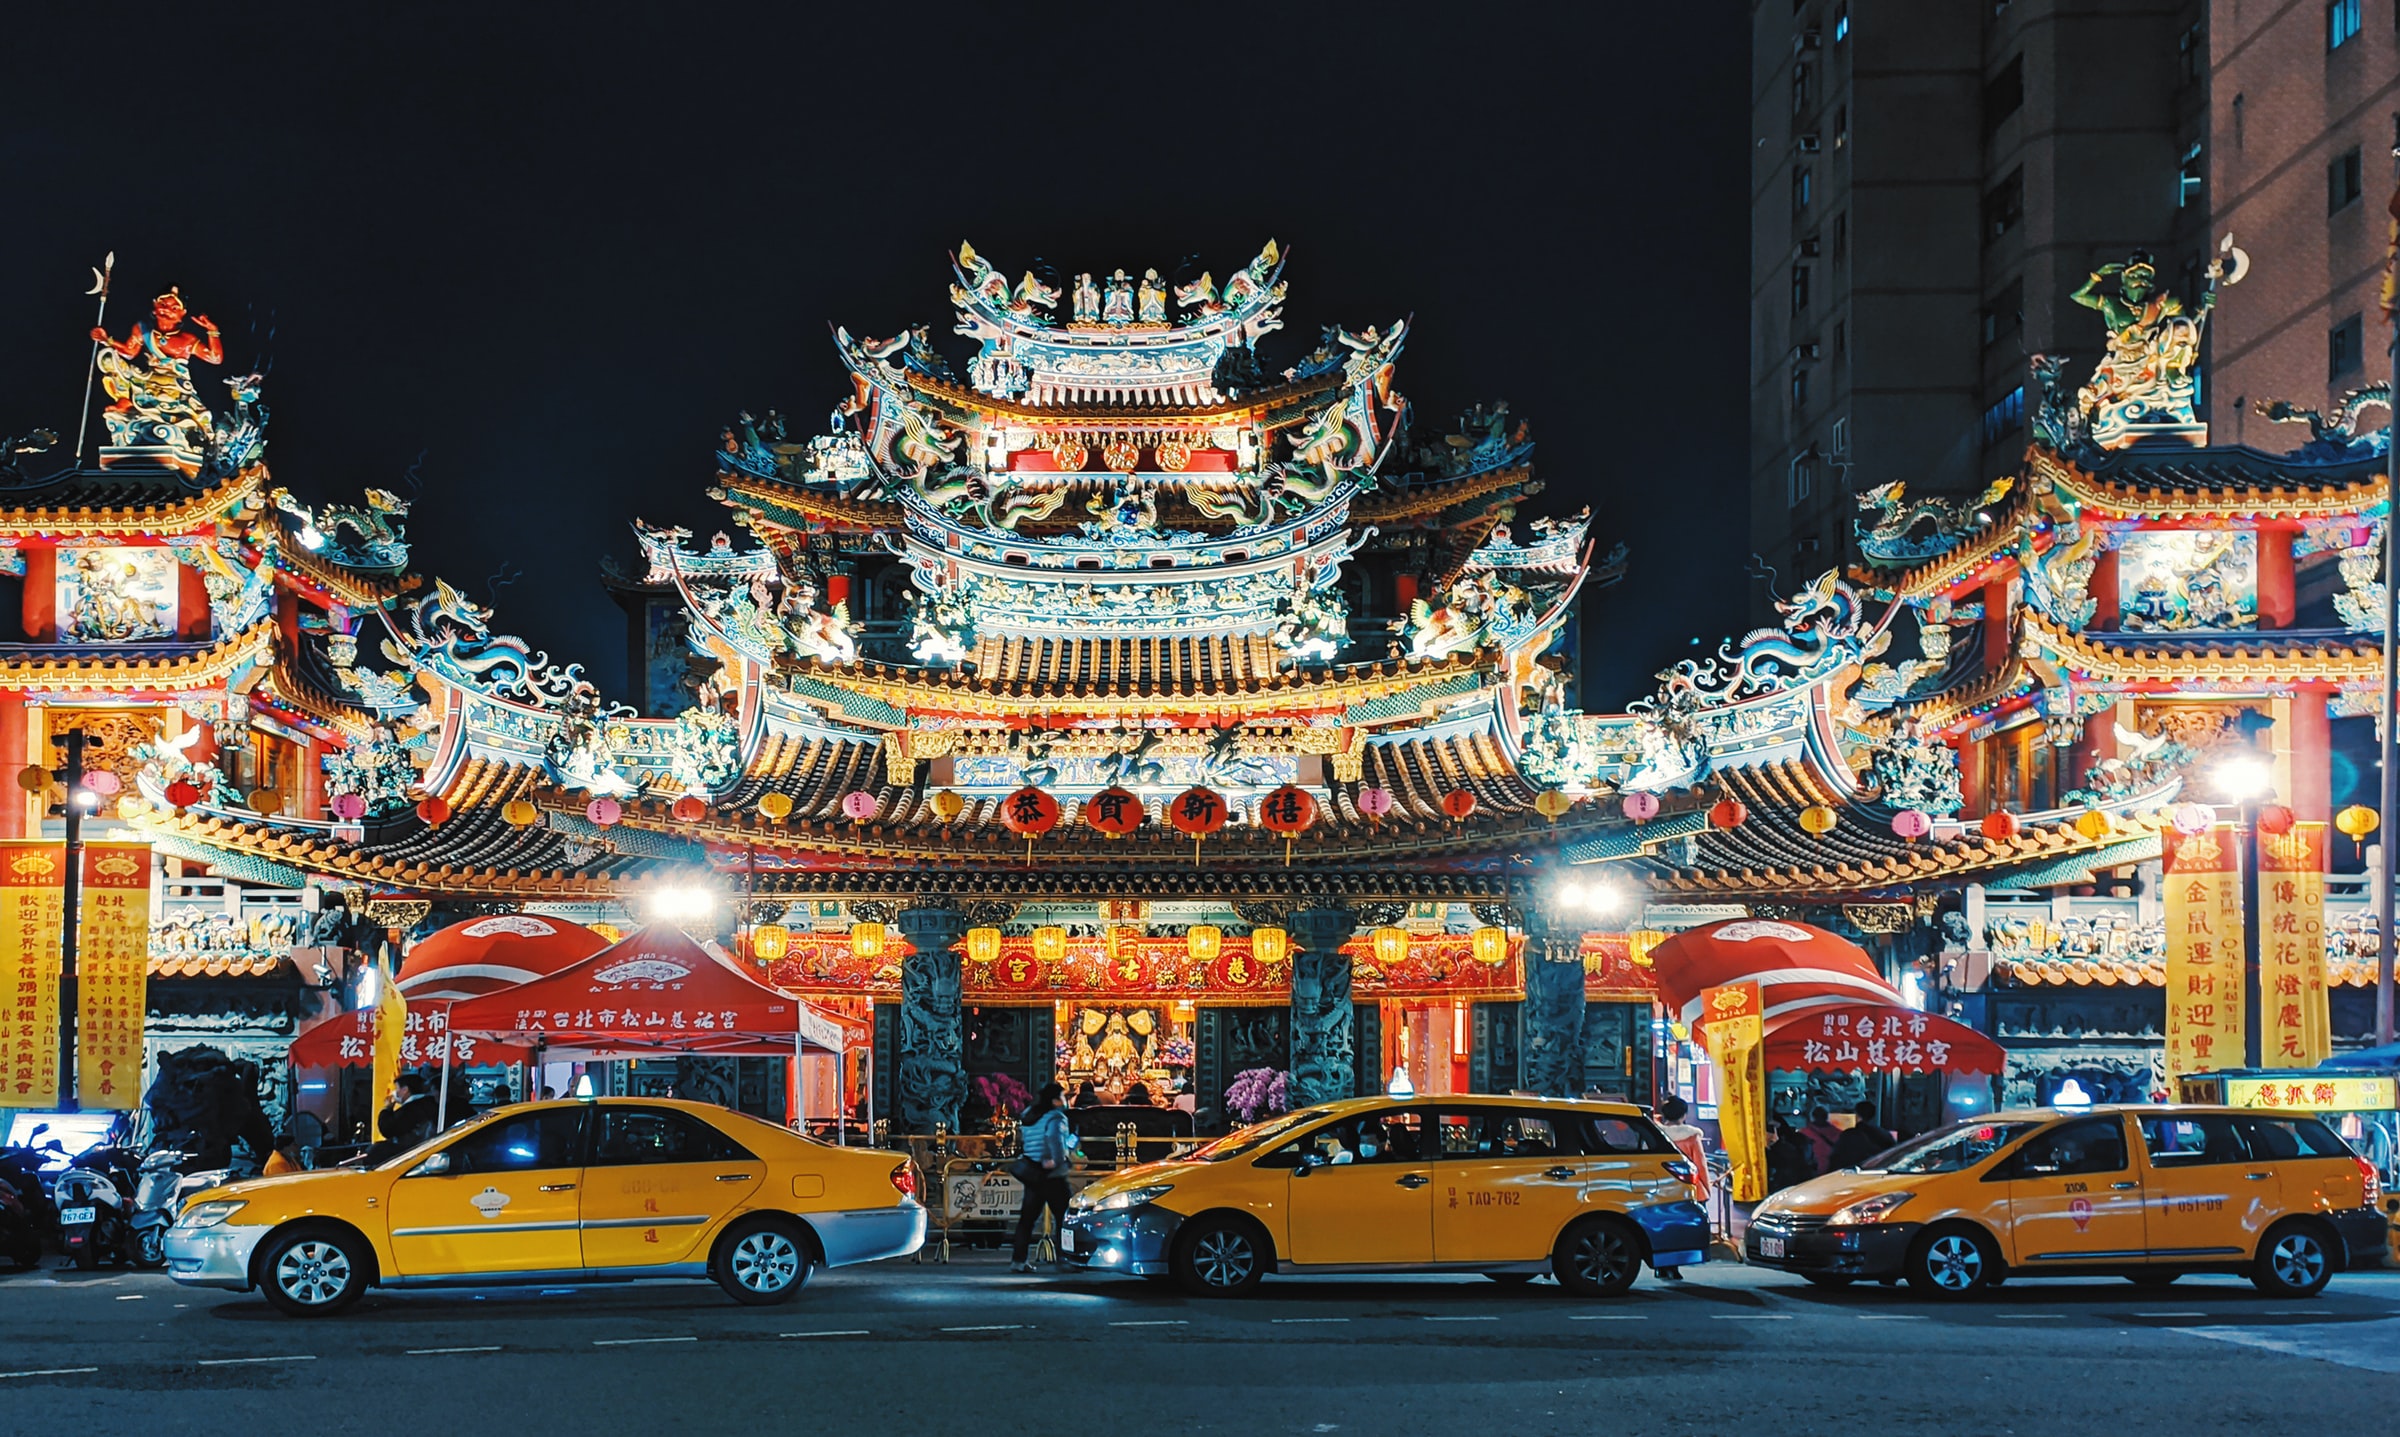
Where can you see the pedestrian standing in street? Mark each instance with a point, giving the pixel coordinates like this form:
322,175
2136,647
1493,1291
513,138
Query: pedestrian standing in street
1693,1144
1789,1159
410,1116
1821,1135
1048,1153
1862,1142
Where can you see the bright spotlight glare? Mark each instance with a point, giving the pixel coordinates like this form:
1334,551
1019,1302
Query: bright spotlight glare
85,799
2245,779
681,903
1605,899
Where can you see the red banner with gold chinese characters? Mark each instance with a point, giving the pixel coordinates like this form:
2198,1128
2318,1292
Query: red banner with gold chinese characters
33,920
2298,1031
2203,876
112,970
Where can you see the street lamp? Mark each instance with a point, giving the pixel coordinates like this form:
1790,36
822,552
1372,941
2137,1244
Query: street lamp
2248,781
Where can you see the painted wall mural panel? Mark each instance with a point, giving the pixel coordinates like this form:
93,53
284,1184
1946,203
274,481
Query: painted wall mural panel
116,594
2173,579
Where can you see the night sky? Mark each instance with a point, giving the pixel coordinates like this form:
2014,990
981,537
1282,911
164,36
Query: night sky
555,259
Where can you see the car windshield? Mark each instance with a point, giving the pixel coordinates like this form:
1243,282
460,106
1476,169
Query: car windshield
1257,1135
1947,1150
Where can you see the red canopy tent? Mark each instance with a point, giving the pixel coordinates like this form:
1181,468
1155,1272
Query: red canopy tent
347,1040
1795,965
484,955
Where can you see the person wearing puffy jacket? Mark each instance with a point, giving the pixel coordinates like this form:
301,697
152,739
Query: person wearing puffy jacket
1049,1154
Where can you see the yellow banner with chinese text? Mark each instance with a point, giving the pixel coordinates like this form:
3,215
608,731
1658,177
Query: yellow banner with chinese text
2291,948
2203,877
33,913
1733,1020
112,971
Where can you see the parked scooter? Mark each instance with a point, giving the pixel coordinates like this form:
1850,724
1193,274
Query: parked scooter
22,1168
95,1206
20,1237
160,1192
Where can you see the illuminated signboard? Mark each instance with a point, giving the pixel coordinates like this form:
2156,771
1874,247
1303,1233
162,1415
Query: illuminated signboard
2311,1093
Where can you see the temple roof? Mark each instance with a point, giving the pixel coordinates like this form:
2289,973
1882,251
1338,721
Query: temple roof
91,503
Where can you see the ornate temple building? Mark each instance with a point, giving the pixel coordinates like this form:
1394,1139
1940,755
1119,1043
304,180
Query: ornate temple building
1111,704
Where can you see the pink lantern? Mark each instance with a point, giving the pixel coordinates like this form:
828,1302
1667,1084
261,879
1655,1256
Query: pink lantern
604,811
2193,817
349,807
1641,807
102,781
859,805
1912,823
1374,802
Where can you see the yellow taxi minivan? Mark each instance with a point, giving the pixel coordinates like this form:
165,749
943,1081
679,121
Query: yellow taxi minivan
1509,1186
2147,1193
582,1190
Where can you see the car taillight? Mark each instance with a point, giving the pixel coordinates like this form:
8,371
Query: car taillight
1678,1169
904,1177
2374,1180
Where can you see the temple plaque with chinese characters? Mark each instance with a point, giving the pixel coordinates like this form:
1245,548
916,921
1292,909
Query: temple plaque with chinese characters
33,907
2203,876
112,966
2298,1024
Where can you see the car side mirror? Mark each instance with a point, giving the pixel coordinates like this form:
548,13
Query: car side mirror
1305,1166
434,1166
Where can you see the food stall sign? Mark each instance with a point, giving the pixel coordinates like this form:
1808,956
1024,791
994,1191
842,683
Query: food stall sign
2355,1093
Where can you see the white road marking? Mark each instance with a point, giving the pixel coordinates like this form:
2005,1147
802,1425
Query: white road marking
1751,1316
1462,1319
1608,1317
2031,1316
835,1332
637,1341
49,1372
1285,1321
245,1361
2369,1346
990,1327
129,1297
2170,1314
1891,1317
1154,1322
445,1351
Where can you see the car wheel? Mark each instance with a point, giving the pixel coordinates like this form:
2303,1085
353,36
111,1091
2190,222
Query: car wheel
1952,1262
2293,1261
1511,1279
1597,1257
1828,1279
763,1261
312,1271
2152,1279
1220,1257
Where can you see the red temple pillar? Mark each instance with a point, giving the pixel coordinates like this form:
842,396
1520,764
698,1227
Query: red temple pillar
1404,594
2105,615
192,622
41,594
2275,599
837,590
312,779
1970,777
1995,624
12,756
2099,742
2311,750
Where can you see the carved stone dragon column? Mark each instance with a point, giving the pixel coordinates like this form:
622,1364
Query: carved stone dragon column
1554,1007
932,1066
1324,1029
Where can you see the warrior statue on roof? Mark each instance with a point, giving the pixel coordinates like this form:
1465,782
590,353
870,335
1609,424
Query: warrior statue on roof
148,378
2146,377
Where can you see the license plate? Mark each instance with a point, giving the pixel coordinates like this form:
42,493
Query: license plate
1066,1240
79,1214
1770,1247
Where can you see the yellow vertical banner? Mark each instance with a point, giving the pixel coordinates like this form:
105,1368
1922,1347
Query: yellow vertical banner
112,971
2298,1031
2203,878
1734,1028
391,1031
33,923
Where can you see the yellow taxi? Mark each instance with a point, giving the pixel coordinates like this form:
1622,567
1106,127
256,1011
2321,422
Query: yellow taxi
581,1190
1508,1186
2146,1193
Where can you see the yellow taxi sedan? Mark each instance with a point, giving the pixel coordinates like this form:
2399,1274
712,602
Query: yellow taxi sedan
1508,1186
581,1190
2147,1193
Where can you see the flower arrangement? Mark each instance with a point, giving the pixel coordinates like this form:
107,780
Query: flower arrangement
1257,1093
1176,1053
1003,1094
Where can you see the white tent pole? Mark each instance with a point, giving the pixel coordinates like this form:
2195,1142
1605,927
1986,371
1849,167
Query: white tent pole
441,1105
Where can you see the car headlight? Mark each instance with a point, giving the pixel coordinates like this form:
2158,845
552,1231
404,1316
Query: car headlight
209,1214
1133,1197
1867,1210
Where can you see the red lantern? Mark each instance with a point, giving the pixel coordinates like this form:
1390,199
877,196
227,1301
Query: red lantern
1114,811
1197,812
2275,819
1459,802
2000,826
1374,802
690,808
1029,812
183,793
1288,810
1728,813
434,809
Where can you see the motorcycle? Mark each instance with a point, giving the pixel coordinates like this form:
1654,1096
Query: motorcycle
160,1192
20,1238
94,1197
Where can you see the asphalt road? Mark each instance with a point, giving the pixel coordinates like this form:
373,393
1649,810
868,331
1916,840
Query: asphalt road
908,1348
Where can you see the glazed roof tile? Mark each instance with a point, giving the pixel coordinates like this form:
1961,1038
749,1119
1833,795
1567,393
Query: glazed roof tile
1200,660
161,666
94,502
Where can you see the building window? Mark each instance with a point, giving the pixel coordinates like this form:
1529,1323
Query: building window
2003,95
2237,122
2190,177
1841,335
2343,352
2005,315
1799,288
1841,126
1803,190
2342,182
1799,90
1801,481
2004,205
1841,225
1841,22
1799,388
2341,22
2192,54
2004,418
